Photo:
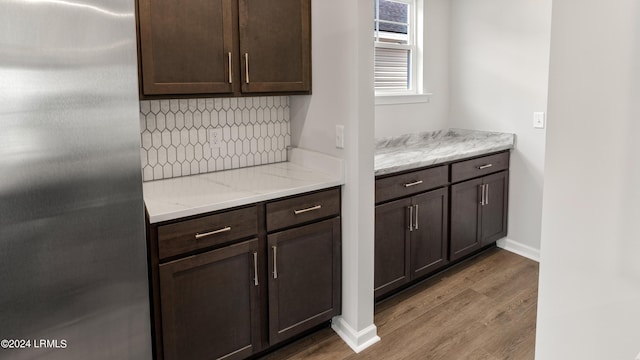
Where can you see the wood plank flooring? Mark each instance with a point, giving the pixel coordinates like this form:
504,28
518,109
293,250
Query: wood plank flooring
483,309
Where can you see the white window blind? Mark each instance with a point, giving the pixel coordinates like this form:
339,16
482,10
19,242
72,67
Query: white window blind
395,48
392,69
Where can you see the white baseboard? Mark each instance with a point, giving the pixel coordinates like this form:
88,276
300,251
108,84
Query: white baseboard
519,248
357,340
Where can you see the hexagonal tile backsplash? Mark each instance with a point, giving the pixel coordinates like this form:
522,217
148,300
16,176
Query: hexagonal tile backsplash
175,134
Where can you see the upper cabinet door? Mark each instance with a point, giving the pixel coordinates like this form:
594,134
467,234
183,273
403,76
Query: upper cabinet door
275,45
187,46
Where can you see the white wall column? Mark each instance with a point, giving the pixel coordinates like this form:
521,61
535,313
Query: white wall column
343,95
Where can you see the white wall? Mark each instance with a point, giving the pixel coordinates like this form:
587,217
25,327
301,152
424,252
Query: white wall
589,300
342,57
392,120
499,64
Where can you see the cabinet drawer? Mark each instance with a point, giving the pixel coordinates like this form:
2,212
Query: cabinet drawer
301,209
469,169
411,183
190,235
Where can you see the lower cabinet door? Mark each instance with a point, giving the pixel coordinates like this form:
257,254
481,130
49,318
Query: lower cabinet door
494,211
210,304
465,218
391,246
429,235
304,279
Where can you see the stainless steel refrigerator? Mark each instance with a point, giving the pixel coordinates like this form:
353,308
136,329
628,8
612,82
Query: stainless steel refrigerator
73,266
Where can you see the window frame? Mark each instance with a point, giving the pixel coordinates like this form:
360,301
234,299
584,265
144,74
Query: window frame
415,68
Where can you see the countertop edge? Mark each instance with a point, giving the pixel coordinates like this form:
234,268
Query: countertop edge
440,160
242,201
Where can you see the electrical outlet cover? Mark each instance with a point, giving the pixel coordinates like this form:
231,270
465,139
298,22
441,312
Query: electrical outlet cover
215,138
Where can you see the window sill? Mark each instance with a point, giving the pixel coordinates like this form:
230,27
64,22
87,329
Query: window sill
402,99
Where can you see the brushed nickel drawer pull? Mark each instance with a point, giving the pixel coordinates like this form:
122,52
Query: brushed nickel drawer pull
413,183
246,67
302,211
230,78
482,167
275,262
225,229
255,268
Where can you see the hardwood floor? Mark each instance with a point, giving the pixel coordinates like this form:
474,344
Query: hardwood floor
483,309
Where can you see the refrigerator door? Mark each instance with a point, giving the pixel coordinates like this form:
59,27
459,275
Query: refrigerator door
73,271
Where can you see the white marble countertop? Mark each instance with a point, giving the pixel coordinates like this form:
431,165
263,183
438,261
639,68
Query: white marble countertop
412,151
192,195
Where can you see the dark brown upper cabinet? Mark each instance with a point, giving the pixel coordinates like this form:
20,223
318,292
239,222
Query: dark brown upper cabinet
187,46
275,45
224,47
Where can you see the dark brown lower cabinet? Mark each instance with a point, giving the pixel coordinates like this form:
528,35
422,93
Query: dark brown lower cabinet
210,304
304,278
391,246
419,232
233,283
494,212
478,213
410,239
429,235
465,215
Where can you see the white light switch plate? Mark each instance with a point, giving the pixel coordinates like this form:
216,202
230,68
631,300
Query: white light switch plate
340,136
638,356
538,120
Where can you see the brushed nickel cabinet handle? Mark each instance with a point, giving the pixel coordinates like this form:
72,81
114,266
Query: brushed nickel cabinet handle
255,268
230,72
410,218
486,166
275,262
416,225
482,195
246,67
486,194
225,229
302,211
413,183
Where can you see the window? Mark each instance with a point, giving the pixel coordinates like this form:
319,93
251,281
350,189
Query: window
397,64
